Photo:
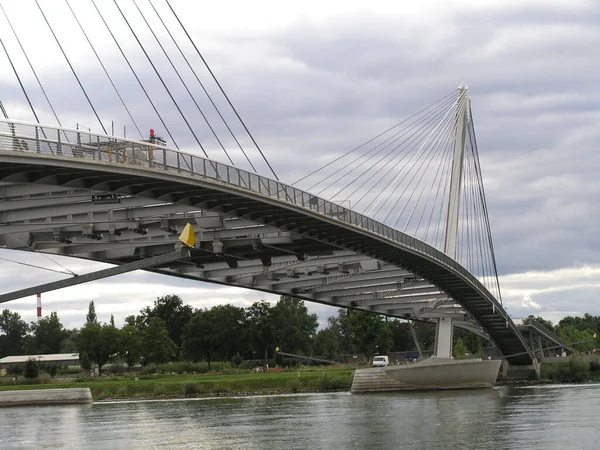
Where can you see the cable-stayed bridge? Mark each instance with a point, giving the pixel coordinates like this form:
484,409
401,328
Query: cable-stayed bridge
397,226
122,201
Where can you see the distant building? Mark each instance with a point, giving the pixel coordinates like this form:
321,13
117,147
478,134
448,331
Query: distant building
63,359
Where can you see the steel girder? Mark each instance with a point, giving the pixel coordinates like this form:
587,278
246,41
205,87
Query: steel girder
307,230
119,229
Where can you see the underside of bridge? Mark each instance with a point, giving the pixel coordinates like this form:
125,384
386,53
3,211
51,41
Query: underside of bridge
85,205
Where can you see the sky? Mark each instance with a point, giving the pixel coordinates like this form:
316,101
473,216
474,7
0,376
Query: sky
313,80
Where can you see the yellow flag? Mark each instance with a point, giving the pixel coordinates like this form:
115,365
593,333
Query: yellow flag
187,236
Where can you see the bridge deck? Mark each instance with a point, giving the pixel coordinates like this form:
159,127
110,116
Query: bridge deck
30,155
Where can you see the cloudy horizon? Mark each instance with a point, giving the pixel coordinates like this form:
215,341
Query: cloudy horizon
316,80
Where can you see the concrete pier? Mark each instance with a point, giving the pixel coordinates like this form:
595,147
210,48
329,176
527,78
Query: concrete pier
46,397
433,373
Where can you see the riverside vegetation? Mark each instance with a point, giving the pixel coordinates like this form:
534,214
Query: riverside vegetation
213,351
173,381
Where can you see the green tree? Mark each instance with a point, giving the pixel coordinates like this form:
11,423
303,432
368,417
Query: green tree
460,350
84,361
370,333
294,326
200,337
326,344
587,322
130,345
157,346
401,336
91,316
582,340
13,332
48,334
69,344
171,310
112,320
261,329
228,325
99,342
540,320
31,369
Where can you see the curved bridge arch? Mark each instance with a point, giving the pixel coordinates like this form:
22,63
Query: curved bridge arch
149,176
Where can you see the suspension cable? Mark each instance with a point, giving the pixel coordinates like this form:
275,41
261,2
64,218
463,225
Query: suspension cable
182,82
372,139
105,70
71,66
135,75
161,79
222,90
31,67
203,88
20,82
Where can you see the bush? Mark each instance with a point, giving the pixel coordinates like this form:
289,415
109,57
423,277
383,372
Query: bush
15,370
595,365
52,368
84,361
31,369
573,370
236,360
294,385
190,389
182,367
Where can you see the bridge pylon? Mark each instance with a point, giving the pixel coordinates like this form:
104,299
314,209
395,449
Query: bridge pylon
444,328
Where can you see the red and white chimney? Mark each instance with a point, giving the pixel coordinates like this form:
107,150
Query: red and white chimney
39,306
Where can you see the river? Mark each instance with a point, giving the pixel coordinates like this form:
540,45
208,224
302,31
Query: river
536,417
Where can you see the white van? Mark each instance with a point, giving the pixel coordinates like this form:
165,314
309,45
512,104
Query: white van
380,361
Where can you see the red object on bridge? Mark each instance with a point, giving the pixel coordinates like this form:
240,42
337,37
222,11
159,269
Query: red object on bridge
151,132
39,306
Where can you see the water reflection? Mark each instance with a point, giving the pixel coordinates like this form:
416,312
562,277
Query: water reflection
502,418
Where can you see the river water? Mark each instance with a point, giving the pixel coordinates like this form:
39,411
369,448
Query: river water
537,417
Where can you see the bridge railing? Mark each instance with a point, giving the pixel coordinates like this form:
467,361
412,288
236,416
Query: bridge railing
27,137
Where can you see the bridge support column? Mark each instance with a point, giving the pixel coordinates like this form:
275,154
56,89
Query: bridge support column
443,335
443,338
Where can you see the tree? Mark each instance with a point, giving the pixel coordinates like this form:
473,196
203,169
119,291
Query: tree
401,336
99,342
582,340
587,322
540,320
228,325
157,346
31,369
326,344
91,315
69,344
130,345
370,334
171,310
48,334
200,337
84,361
13,332
459,351
112,320
261,328
294,327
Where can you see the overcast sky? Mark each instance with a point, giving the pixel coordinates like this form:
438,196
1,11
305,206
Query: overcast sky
313,80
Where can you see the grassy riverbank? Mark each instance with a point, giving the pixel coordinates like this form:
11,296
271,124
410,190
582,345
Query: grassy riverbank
180,386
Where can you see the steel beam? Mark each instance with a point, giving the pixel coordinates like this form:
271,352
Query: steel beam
124,268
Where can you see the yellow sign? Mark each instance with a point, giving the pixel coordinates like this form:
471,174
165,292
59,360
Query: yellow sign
276,349
187,236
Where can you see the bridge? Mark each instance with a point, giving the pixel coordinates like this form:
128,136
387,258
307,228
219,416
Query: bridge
124,202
